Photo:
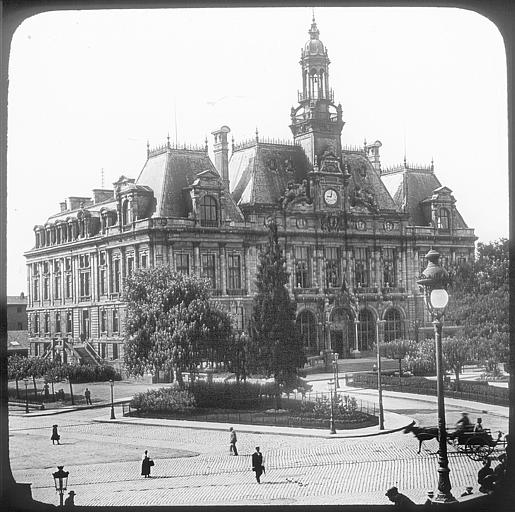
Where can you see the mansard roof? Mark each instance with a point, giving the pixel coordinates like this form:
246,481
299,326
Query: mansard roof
170,171
365,176
410,187
259,172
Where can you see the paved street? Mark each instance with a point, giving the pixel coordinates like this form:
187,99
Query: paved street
193,466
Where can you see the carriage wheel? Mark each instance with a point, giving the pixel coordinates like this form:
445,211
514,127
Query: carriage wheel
477,451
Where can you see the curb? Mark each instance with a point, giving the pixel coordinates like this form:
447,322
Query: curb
244,428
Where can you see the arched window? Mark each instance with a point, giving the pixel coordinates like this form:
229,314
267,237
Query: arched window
443,218
209,212
366,330
393,325
306,323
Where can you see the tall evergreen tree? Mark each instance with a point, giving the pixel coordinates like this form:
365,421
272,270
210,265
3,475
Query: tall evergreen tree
275,348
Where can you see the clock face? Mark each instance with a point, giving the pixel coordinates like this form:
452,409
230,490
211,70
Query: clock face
330,196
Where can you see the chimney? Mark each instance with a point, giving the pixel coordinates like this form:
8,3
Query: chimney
372,151
75,202
221,151
101,194
63,206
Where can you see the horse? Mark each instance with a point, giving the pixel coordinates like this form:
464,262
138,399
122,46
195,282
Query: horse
422,433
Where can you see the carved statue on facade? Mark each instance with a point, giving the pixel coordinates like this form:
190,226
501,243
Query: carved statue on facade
364,198
295,193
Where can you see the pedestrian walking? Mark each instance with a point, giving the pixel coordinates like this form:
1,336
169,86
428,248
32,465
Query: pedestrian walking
69,501
400,500
55,435
87,396
257,464
146,464
232,442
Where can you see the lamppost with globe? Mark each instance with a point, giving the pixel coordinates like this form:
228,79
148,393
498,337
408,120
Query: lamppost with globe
26,382
330,385
112,399
433,282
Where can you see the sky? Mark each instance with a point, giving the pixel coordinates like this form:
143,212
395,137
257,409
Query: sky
87,89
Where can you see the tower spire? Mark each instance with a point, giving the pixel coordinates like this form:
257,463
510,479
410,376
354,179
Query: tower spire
317,111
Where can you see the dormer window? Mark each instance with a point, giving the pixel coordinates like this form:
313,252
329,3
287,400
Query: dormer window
126,212
443,219
209,212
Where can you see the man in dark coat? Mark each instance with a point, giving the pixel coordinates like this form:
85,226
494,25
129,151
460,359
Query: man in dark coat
87,396
69,501
400,500
145,465
232,442
257,464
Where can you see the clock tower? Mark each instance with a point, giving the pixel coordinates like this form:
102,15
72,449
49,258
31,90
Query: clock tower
316,123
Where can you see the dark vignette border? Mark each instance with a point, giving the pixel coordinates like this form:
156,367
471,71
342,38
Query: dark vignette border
17,496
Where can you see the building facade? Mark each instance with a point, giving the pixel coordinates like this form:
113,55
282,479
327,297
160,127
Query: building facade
354,233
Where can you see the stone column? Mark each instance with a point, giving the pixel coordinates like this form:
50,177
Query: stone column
377,262
196,258
93,264
223,268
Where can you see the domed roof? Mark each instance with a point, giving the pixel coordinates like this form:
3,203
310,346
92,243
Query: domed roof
314,46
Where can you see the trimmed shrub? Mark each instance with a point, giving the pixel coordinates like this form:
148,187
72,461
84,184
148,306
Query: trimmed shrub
231,395
79,373
164,400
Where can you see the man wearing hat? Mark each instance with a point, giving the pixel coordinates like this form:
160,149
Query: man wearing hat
68,502
400,501
462,425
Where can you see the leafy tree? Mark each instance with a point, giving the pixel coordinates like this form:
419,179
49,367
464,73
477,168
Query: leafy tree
456,352
479,296
421,358
171,323
397,349
17,369
275,348
238,349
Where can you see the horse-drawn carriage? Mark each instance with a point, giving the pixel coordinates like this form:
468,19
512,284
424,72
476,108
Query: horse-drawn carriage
476,445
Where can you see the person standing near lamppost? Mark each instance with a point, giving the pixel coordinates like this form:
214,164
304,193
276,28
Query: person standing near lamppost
434,281
112,399
26,382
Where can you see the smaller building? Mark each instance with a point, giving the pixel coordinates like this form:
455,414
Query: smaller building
17,312
18,343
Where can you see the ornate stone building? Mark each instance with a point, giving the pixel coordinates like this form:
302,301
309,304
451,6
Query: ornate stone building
355,234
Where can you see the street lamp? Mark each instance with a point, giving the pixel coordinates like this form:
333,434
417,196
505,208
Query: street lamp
331,423
379,382
26,382
434,281
112,399
61,481
335,371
